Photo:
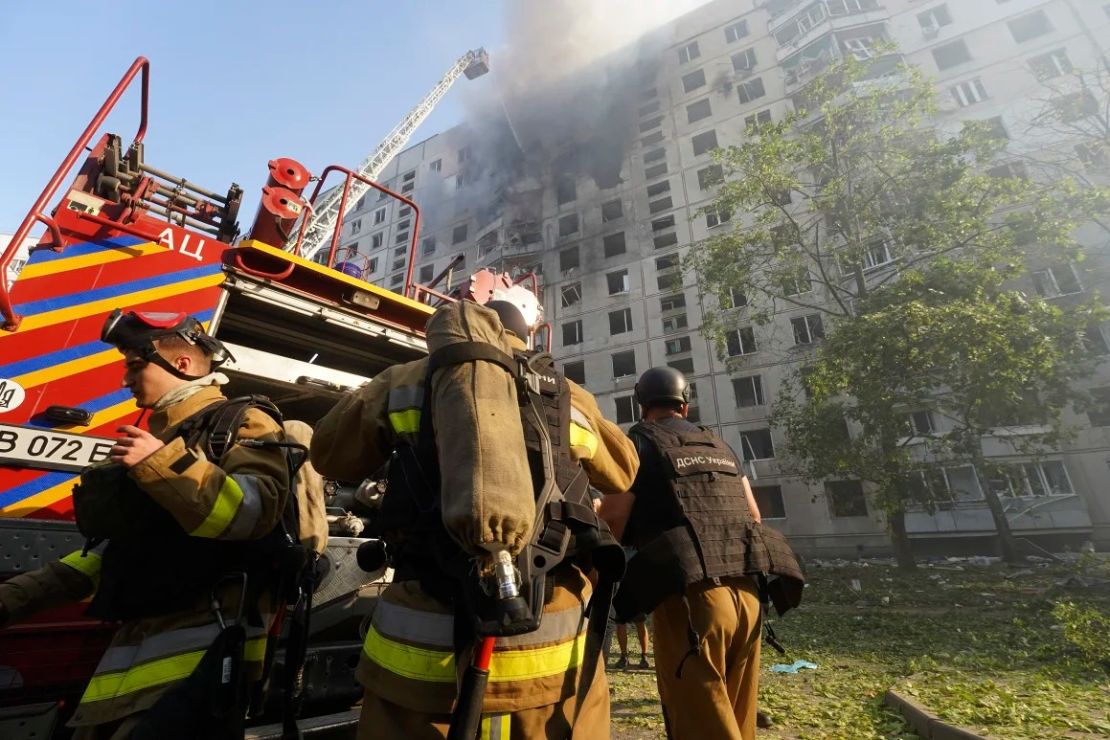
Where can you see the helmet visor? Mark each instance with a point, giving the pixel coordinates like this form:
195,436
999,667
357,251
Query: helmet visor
139,329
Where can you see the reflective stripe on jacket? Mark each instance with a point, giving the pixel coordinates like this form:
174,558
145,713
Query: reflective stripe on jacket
237,498
159,659
409,657
410,661
241,498
356,437
405,404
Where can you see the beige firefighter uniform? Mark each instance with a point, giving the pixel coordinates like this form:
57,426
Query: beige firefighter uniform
715,698
409,668
242,497
309,490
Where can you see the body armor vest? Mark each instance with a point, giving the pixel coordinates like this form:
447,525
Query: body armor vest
702,528
566,527
151,566
703,479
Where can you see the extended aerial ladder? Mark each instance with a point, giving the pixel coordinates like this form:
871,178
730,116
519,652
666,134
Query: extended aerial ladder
322,219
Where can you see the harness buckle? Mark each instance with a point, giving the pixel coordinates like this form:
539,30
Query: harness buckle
217,607
554,541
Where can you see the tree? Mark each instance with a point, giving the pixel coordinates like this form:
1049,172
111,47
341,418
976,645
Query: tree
1069,126
847,204
953,341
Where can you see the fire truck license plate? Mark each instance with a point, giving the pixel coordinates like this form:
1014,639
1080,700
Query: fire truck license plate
35,447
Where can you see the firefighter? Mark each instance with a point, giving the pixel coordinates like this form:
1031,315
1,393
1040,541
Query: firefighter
701,554
420,638
189,550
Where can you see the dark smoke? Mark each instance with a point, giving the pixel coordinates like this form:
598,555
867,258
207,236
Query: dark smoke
559,104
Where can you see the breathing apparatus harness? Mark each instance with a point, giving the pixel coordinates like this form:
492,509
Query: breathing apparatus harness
504,595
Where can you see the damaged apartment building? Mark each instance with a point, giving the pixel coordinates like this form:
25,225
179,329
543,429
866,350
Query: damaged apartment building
600,191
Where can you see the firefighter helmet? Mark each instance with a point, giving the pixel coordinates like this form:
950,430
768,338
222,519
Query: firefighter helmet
139,330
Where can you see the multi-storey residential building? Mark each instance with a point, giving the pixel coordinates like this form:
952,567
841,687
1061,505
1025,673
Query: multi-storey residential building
609,257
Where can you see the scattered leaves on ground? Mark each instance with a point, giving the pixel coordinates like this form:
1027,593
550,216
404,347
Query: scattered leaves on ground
1006,652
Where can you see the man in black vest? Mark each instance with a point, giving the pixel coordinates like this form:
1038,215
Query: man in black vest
693,519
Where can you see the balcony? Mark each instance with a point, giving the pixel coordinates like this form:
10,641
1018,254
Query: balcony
884,74
821,18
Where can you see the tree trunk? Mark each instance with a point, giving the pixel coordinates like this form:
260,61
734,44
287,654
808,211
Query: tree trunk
1006,544
900,539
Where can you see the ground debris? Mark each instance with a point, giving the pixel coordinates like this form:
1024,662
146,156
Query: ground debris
981,641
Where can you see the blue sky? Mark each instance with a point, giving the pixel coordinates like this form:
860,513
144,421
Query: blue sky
233,83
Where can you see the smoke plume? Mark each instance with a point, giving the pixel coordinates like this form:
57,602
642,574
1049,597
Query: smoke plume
559,105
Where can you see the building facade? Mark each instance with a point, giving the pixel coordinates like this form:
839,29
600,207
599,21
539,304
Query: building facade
20,258
609,255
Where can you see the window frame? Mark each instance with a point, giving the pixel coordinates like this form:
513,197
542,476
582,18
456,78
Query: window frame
577,333
630,401
739,30
688,52
574,289
956,44
814,329
969,92
693,80
739,334
625,278
832,496
564,259
1037,33
611,242
1056,63
694,142
1053,282
682,345
755,385
625,315
750,446
774,511
622,358
750,90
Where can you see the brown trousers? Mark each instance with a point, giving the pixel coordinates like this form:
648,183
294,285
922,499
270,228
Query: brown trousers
382,720
716,695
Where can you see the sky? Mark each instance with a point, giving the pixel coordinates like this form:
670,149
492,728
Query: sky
233,83
237,83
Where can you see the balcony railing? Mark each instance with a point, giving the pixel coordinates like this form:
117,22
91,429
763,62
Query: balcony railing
817,18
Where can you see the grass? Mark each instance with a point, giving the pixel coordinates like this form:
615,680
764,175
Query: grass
1005,652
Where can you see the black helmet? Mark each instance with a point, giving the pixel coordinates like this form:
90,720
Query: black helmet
138,330
661,385
511,318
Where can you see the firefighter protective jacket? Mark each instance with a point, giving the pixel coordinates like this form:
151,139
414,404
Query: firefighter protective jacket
409,654
240,497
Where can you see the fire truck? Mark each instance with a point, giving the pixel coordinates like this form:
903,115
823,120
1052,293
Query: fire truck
124,234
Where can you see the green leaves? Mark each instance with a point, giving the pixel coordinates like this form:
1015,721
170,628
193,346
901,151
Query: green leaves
913,240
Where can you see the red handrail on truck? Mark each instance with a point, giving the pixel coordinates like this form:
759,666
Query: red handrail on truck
343,207
141,64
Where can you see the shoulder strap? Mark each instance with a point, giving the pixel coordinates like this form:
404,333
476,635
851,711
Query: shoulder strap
460,352
226,418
